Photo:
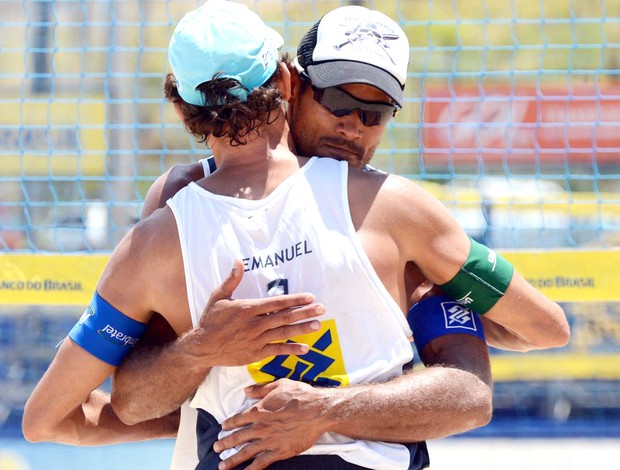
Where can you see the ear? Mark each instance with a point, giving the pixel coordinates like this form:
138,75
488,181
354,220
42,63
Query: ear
284,81
295,81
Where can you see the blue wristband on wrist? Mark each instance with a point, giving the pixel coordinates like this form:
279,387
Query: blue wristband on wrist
105,332
438,316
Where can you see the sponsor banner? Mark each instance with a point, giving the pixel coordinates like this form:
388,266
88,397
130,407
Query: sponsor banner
32,279
571,275
521,124
564,276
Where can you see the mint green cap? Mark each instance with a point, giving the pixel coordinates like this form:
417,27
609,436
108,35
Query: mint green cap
223,37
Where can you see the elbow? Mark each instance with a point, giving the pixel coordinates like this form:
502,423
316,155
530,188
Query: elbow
31,432
550,331
560,328
35,434
556,334
124,410
482,409
564,335
35,426
477,404
120,400
485,414
475,409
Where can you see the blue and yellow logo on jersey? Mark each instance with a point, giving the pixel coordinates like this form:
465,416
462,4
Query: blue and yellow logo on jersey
321,365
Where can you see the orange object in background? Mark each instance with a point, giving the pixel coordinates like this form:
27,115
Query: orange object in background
551,124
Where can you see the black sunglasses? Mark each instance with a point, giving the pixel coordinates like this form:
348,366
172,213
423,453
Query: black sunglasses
340,103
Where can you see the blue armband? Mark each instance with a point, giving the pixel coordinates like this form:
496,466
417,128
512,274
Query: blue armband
438,316
105,332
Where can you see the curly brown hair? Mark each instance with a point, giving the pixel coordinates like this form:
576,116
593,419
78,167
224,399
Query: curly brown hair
232,118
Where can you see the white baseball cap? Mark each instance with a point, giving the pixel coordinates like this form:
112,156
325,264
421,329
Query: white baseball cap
353,44
222,37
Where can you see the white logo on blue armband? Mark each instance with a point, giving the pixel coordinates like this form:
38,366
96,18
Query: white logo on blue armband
438,316
457,316
105,332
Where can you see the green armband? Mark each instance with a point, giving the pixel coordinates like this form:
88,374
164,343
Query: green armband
482,280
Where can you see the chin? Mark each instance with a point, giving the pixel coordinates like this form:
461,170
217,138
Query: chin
351,159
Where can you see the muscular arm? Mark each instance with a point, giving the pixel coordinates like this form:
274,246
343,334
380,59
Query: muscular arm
82,415
525,318
290,416
134,387
145,260
425,397
65,405
230,333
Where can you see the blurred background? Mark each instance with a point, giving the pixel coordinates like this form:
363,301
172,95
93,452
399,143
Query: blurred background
512,119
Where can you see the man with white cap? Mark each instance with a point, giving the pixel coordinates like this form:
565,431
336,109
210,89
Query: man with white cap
255,167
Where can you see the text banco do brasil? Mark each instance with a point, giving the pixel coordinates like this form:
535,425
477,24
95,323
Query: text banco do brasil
45,285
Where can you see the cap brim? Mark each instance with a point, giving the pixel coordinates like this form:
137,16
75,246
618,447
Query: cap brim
340,72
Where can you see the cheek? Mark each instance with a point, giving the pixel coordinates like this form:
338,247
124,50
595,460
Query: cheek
307,127
372,136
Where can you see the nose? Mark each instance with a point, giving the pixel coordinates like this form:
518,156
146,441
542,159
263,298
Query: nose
351,126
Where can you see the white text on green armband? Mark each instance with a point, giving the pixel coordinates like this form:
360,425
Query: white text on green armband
482,280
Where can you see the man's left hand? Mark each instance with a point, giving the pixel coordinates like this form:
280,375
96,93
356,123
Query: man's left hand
288,419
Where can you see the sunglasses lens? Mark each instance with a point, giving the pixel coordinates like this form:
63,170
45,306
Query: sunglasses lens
373,118
340,104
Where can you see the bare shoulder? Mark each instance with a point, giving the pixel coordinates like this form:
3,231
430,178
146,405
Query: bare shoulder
169,183
141,262
424,230
393,194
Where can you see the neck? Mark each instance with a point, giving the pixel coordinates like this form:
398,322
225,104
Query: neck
255,169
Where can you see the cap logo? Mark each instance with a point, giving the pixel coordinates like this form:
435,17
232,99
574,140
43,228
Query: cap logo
373,46
369,31
268,54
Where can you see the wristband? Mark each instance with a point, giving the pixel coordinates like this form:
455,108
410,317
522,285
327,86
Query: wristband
105,332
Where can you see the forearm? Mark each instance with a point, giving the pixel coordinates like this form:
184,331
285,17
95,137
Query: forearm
524,320
423,401
426,404
155,382
231,332
96,423
500,337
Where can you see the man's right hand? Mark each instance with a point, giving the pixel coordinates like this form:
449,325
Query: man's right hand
237,332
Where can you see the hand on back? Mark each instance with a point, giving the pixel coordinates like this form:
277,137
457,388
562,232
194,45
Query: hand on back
236,332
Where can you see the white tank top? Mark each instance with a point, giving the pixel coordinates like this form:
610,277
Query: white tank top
185,455
298,239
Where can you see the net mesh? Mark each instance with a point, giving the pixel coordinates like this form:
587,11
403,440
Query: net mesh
511,117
